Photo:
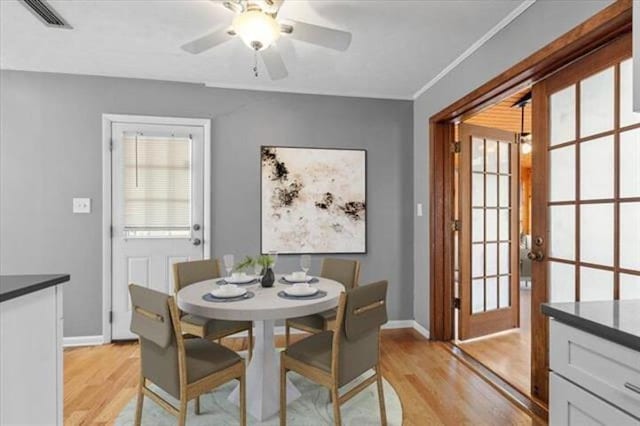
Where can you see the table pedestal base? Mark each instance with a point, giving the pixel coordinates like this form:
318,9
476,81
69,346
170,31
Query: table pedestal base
263,376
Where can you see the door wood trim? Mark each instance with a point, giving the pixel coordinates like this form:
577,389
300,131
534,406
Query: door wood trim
107,121
597,31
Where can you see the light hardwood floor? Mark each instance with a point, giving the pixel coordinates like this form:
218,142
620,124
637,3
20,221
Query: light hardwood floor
433,385
508,354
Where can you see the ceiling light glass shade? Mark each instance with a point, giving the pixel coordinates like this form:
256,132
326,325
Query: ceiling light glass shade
256,29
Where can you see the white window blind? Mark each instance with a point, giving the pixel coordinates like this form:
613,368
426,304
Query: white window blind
157,180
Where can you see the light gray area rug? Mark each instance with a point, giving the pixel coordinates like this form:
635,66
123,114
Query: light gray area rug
312,408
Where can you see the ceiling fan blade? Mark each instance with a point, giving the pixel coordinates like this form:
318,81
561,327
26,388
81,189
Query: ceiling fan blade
208,41
234,6
272,7
274,63
322,36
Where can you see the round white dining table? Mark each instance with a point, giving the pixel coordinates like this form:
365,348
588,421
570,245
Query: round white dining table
263,309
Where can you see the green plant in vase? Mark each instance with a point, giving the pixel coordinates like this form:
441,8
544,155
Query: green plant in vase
266,262
247,263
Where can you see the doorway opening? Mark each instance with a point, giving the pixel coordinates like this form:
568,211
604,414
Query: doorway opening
499,188
611,24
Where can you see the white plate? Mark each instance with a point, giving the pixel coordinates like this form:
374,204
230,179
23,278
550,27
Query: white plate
301,291
289,278
227,293
240,280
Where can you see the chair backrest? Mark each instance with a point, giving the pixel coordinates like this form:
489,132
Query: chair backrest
356,341
152,320
186,273
345,271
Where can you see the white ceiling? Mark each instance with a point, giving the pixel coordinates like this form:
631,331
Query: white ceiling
398,46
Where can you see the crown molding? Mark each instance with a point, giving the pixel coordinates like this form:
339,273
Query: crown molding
477,45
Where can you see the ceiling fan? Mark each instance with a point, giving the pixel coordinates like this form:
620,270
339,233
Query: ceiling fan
257,25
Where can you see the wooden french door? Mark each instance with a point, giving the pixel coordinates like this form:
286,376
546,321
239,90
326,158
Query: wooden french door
488,239
586,190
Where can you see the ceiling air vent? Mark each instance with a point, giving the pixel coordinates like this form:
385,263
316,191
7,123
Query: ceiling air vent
45,13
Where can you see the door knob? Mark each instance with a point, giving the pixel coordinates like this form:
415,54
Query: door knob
536,256
196,241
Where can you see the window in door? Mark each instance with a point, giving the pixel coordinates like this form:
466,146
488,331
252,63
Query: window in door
594,188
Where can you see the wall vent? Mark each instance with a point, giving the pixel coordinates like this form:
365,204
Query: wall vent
45,13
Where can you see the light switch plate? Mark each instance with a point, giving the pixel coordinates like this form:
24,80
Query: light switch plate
419,209
82,205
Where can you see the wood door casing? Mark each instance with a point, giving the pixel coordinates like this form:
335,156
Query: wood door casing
609,56
475,322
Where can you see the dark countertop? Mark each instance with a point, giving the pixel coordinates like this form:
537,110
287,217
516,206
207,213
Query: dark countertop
614,320
12,286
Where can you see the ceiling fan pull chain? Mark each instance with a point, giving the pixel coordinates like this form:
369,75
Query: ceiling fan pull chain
255,63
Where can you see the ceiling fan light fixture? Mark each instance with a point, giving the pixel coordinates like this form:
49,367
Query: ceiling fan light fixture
256,29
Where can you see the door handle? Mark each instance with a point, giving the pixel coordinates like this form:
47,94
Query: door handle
536,256
196,241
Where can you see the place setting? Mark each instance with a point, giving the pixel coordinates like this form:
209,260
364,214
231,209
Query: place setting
299,283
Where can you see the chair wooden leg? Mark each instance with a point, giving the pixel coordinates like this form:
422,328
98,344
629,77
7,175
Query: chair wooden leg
287,335
243,398
383,412
250,345
337,420
140,401
182,414
283,392
196,408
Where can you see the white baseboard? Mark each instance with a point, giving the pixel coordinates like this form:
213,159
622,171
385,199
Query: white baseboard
392,325
69,342
421,330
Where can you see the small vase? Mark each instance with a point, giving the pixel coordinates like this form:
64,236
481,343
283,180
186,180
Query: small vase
268,278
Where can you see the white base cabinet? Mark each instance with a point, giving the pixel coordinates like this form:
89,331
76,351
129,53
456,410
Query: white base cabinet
31,359
593,381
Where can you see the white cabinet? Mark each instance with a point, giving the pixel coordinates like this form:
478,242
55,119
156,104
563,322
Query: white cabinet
593,380
31,358
573,406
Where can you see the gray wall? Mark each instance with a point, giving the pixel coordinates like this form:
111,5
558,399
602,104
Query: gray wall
537,26
50,151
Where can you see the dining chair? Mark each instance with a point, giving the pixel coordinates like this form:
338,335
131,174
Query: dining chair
344,271
183,368
187,273
334,358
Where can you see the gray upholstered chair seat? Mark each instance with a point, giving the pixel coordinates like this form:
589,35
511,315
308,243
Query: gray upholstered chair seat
316,321
211,327
205,358
314,350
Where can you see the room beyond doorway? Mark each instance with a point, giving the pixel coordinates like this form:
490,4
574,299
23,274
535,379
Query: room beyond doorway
499,239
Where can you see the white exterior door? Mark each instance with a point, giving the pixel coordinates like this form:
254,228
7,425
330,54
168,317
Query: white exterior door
158,189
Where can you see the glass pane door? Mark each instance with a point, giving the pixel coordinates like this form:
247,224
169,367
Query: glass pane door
594,188
586,190
489,231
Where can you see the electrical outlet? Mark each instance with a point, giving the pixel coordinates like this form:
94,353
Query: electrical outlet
82,205
419,209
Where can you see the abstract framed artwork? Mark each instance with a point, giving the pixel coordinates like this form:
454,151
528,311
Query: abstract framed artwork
313,200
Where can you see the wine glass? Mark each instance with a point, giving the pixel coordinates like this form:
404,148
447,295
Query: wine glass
274,258
305,263
229,261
